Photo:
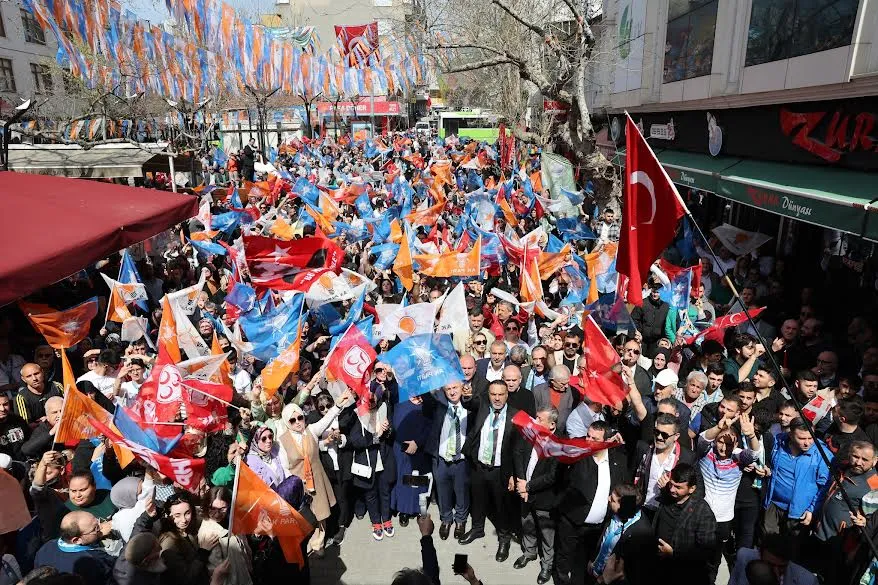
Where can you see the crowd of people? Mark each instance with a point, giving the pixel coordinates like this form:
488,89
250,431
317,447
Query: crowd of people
706,458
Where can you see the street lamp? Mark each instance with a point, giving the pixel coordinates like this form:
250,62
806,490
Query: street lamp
20,110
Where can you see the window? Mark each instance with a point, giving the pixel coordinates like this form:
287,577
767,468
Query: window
780,29
7,77
32,31
2,30
42,78
689,41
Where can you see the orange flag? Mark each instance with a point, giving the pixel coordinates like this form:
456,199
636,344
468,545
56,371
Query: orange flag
395,232
451,263
402,266
116,309
531,284
282,229
323,223
66,328
258,509
598,262
442,171
168,332
74,424
223,374
552,262
280,367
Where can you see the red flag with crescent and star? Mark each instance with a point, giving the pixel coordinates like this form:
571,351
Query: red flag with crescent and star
566,451
351,360
601,381
650,216
718,329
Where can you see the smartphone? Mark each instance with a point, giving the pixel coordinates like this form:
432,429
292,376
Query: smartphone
416,480
460,563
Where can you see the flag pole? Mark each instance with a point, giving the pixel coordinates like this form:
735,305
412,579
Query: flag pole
235,494
836,476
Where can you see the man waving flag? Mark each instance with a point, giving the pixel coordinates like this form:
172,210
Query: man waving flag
649,219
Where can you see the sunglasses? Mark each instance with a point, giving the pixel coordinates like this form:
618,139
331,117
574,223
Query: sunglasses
266,438
297,418
572,345
634,351
662,435
511,328
380,370
480,342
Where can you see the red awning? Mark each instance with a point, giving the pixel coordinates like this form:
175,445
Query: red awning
52,227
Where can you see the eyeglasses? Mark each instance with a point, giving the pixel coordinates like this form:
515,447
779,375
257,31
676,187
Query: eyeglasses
480,342
94,530
511,328
634,351
662,435
215,510
297,418
572,345
379,370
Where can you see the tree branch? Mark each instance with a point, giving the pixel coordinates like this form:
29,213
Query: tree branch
462,46
484,64
536,29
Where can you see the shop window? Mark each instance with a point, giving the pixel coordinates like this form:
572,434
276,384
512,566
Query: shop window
7,77
780,29
689,41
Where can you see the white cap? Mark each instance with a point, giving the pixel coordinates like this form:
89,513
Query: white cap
5,461
666,377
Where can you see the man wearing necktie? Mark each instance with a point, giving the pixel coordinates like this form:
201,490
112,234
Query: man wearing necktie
445,444
490,446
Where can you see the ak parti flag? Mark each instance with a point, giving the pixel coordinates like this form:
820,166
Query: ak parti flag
351,360
65,328
653,209
402,266
168,332
451,264
566,451
442,172
116,309
258,509
601,380
279,368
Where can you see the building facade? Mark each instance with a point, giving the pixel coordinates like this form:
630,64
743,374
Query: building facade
765,109
26,57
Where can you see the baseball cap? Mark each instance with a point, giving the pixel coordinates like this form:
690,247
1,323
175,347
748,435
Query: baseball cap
666,378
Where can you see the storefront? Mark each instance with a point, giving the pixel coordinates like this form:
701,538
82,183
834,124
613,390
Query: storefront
813,166
386,113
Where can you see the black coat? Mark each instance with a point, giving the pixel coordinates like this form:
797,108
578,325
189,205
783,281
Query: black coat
435,410
637,547
480,382
360,442
481,409
642,462
582,484
650,320
542,491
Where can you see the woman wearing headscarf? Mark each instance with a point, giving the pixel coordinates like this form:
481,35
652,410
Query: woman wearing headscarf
411,429
129,495
300,454
269,563
659,363
263,457
337,464
268,409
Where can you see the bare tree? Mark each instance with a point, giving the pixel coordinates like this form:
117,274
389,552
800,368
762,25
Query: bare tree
514,49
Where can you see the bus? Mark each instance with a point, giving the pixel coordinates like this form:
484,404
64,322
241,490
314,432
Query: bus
476,124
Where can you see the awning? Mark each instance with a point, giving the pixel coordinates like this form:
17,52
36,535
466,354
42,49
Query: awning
698,171
835,198
105,161
52,227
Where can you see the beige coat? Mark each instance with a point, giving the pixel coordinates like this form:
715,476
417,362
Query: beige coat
322,497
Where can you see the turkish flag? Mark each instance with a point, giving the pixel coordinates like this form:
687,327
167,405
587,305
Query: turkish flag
601,381
718,329
652,210
351,360
269,258
566,451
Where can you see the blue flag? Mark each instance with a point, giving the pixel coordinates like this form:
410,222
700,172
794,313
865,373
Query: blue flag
273,331
129,429
208,248
423,363
354,313
677,293
242,296
128,274
385,254
571,228
235,199
364,206
686,242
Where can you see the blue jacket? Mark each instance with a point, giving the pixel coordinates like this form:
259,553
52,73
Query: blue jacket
810,480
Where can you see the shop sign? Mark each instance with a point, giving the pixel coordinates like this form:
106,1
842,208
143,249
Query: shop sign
663,131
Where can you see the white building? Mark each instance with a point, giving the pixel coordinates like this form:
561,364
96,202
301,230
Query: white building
768,104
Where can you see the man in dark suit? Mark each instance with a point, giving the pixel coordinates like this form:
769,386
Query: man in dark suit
666,451
535,484
445,444
582,508
248,159
557,394
490,446
489,369
518,398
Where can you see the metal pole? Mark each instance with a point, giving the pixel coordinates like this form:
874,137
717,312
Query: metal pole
372,112
171,168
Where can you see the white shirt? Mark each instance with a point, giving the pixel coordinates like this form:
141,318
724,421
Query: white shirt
493,375
531,464
130,390
447,433
655,472
242,381
487,431
105,384
599,505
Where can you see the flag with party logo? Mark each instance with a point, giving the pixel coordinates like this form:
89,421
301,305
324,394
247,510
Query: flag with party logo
423,363
351,360
65,328
451,264
403,321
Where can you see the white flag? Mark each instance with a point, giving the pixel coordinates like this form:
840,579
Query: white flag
453,315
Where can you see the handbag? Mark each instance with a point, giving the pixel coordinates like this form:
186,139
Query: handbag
360,470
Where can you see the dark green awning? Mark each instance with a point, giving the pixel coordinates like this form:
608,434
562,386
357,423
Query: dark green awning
827,197
698,171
